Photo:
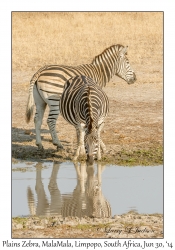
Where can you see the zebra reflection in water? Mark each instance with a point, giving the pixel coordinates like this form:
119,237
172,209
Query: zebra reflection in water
43,206
87,198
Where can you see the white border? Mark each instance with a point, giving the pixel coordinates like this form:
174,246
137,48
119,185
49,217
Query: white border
5,93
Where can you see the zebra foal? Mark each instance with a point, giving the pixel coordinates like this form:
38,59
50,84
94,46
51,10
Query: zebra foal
85,105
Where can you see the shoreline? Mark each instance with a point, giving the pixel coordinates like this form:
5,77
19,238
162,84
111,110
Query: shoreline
143,157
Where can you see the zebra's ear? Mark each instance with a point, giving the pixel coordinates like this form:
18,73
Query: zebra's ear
124,50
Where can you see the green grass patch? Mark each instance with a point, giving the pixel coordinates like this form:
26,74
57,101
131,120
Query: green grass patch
142,157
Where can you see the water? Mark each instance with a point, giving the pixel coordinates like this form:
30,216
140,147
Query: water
77,190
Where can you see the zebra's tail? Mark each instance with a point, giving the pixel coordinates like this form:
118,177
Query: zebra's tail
30,105
30,101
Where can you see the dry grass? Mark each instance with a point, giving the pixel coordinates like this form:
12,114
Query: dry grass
73,38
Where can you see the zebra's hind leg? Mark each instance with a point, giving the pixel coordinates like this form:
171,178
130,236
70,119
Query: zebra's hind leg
40,108
51,121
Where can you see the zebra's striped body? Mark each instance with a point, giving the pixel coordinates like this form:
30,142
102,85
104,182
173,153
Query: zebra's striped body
85,105
46,86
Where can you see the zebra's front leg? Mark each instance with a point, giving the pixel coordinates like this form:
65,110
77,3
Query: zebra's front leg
51,121
80,143
99,151
82,147
101,145
78,148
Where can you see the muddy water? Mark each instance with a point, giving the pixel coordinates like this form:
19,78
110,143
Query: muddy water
69,189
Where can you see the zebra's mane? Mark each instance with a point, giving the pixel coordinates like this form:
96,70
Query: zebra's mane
119,46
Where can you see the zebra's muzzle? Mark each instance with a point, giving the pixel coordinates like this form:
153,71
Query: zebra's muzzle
133,79
90,159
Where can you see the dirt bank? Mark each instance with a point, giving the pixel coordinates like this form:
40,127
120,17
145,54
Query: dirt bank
130,225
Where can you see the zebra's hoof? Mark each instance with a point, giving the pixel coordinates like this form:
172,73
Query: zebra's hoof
98,157
40,147
59,147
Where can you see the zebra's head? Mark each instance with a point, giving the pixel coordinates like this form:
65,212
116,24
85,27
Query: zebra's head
91,145
124,69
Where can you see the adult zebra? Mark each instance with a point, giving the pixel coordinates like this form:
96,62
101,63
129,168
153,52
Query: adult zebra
46,86
85,105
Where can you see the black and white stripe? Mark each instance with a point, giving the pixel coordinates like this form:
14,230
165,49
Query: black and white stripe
85,105
47,84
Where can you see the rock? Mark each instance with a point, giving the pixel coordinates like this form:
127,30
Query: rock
19,226
116,217
44,222
27,132
37,227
